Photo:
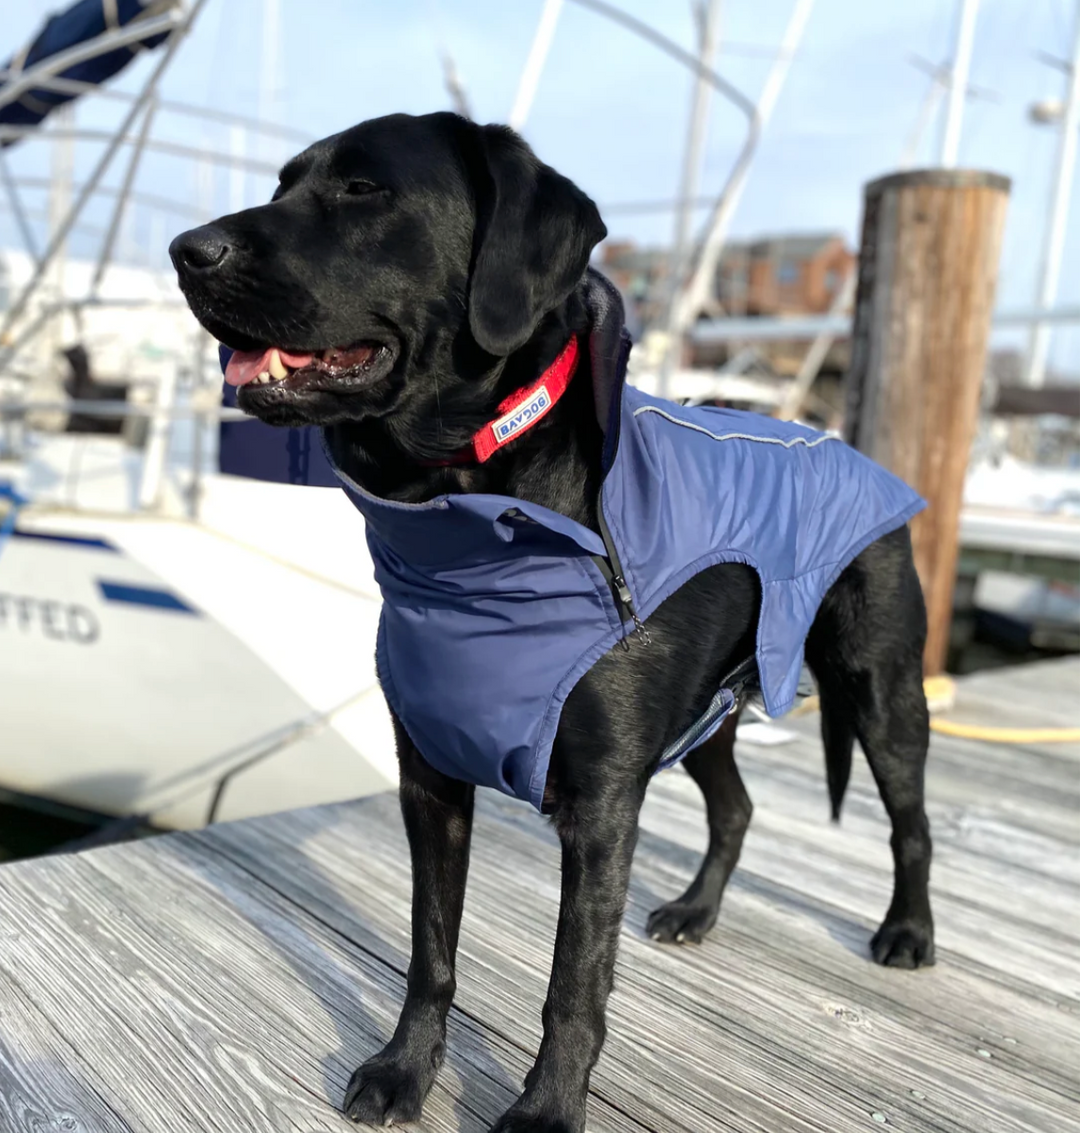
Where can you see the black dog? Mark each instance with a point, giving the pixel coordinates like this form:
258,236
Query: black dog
424,269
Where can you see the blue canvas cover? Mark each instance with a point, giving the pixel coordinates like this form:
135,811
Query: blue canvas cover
80,23
495,607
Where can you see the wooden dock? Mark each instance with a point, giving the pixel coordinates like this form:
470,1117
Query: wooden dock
230,980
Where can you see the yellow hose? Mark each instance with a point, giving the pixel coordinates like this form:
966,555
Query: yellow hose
943,690
1006,735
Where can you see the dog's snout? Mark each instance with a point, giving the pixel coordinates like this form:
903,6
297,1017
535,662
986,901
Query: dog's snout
200,249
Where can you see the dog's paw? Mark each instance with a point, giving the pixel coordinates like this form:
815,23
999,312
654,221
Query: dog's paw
904,944
386,1092
681,922
514,1121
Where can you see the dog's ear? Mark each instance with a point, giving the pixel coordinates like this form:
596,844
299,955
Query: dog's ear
535,232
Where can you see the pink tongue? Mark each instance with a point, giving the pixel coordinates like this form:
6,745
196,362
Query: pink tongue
246,365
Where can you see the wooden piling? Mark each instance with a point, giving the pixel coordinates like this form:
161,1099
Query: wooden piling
927,270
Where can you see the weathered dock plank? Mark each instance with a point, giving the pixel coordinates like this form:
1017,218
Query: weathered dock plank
44,1084
230,980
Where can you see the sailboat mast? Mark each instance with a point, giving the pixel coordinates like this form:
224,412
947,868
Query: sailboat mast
708,40
1057,222
958,82
534,65
707,254
269,79
62,178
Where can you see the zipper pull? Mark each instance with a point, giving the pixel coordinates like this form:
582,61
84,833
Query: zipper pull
642,630
627,599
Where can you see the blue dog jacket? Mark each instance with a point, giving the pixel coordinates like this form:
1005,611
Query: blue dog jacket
495,607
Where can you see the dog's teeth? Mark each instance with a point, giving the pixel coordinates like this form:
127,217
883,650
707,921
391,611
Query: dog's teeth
263,378
277,367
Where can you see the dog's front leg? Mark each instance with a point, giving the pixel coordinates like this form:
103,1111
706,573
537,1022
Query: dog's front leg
598,835
390,1088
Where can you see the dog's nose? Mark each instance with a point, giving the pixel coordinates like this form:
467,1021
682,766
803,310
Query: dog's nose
199,249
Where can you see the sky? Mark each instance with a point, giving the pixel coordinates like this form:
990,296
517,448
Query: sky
611,110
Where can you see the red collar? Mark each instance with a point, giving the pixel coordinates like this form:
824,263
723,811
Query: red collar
520,411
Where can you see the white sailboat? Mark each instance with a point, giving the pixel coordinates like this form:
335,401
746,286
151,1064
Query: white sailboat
145,657
174,643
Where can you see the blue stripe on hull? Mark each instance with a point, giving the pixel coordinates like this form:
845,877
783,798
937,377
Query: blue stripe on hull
143,596
70,540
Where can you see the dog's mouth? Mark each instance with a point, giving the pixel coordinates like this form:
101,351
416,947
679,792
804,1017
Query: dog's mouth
334,369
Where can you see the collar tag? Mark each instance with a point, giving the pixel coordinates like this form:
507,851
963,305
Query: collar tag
521,416
521,410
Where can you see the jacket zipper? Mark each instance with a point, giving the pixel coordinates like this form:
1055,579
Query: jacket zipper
611,569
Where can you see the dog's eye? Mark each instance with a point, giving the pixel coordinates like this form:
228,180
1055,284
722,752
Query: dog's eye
359,187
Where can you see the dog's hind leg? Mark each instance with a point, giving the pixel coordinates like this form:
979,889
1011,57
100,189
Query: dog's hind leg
391,1087
865,649
728,807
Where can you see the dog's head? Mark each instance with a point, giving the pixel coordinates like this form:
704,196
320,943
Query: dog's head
386,251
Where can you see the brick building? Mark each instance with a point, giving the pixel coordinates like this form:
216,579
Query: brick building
775,275
641,275
783,275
